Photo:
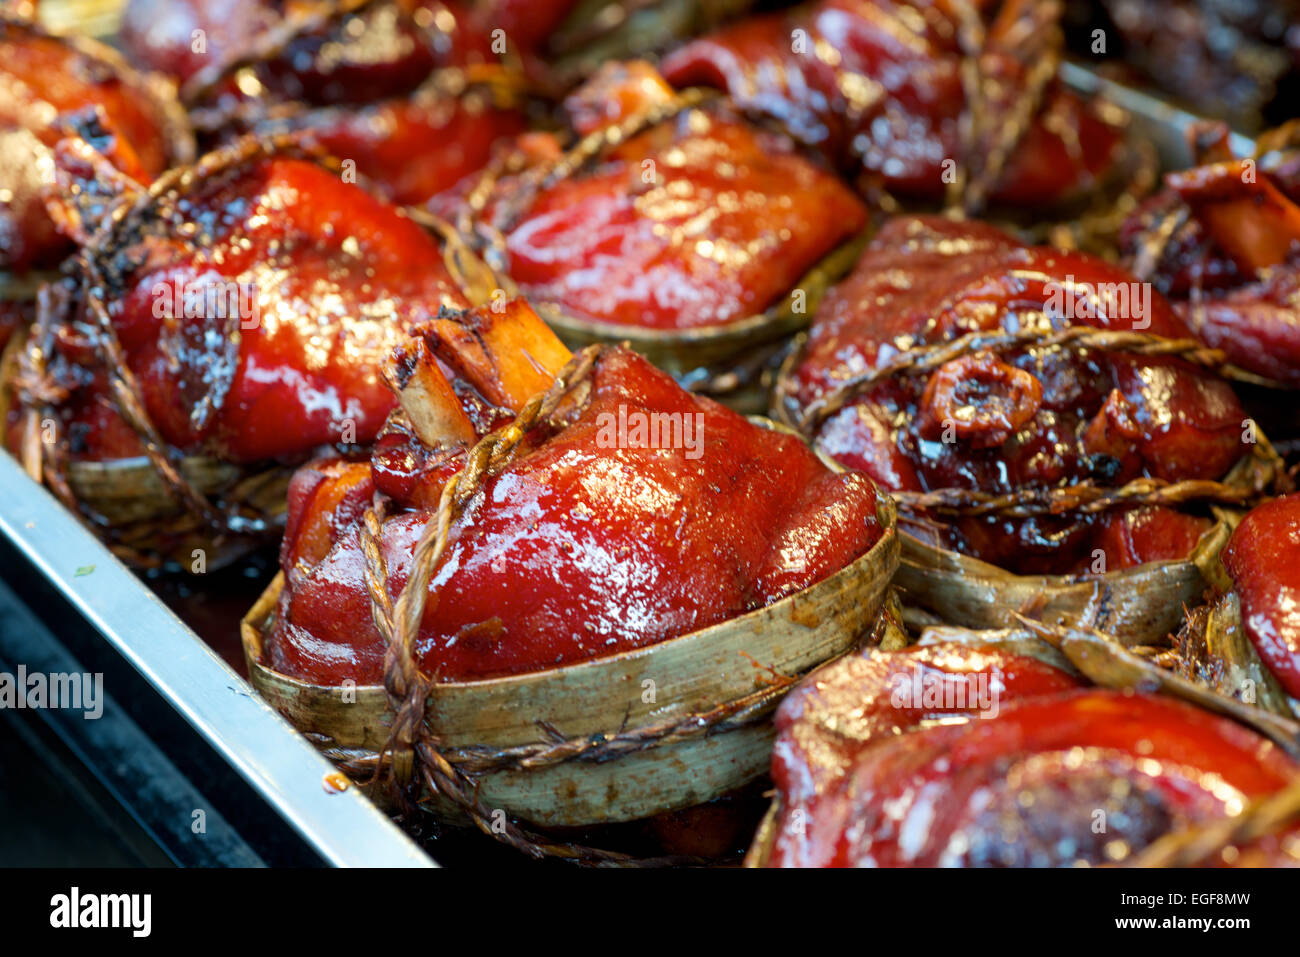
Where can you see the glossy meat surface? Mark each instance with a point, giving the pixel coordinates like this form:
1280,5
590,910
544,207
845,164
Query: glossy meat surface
588,544
44,84
1032,418
1026,786
160,33
1263,558
878,85
1233,268
364,86
839,710
383,49
258,329
414,149
698,222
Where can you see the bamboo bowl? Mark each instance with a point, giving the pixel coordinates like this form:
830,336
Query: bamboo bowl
691,674
146,526
1139,605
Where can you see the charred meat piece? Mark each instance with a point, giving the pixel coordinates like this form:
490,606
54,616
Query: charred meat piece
1021,419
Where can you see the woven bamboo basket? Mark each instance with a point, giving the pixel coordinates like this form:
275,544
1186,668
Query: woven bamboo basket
692,675
1140,605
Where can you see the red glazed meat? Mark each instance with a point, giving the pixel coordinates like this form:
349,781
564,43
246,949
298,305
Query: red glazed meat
48,85
837,711
1013,420
180,37
1263,558
1025,786
388,87
878,86
697,221
161,33
328,53
411,150
594,540
256,312
1232,267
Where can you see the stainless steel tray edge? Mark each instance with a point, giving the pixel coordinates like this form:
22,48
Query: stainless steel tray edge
1163,123
344,828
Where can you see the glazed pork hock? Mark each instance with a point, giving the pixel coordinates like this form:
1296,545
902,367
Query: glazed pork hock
927,101
51,87
225,324
994,753
560,587
1046,422
410,95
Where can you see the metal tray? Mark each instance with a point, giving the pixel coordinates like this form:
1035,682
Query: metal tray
1154,119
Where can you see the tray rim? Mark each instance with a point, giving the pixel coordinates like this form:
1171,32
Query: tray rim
345,829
